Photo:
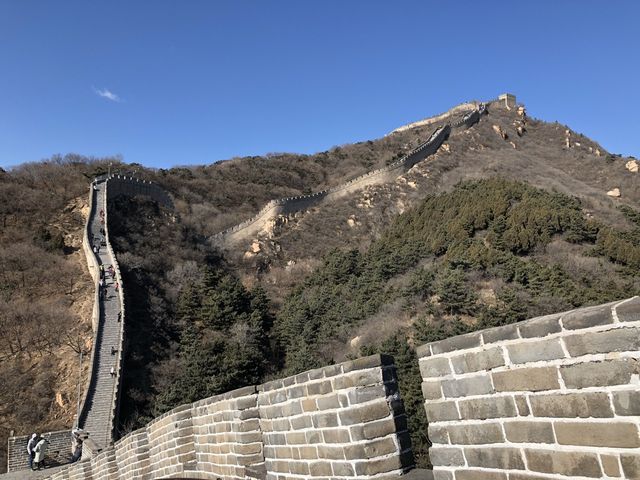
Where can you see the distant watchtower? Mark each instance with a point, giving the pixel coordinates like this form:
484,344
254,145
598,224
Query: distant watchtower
509,100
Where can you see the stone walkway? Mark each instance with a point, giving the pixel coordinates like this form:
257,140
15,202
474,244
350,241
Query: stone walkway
97,421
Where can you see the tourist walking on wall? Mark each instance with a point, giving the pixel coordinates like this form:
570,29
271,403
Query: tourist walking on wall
31,445
40,450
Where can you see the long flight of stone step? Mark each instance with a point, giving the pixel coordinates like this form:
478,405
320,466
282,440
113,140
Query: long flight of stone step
97,421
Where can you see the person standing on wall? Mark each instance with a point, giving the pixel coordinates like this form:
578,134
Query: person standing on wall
31,445
40,450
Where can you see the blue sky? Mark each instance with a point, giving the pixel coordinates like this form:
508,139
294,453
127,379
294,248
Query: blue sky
167,83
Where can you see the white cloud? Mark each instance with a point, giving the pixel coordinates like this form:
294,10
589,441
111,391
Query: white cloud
109,95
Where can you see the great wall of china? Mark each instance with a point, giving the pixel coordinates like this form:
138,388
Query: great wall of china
556,397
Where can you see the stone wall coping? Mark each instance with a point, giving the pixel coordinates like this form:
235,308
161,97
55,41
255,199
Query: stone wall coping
372,361
237,393
531,328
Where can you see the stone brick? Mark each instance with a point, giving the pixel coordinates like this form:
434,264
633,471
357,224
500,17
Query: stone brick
610,434
431,390
523,406
378,428
476,361
442,475
526,379
536,351
319,388
540,327
480,475
331,452
438,434
328,402
501,458
581,464
630,465
383,465
467,386
434,367
498,334
320,469
378,448
365,413
610,465
358,378
629,311
300,422
587,317
446,456
371,361
299,468
309,405
616,340
334,435
526,476
441,411
599,374
475,434
324,420
529,432
627,402
366,394
342,469
489,407
572,405
459,342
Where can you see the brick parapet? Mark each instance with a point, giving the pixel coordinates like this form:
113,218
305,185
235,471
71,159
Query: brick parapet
340,421
58,450
556,396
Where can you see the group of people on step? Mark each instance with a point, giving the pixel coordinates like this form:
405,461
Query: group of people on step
37,448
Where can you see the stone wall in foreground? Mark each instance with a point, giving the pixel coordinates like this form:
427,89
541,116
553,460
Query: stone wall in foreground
552,397
340,421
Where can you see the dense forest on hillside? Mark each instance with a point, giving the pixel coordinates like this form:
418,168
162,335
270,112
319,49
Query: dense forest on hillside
481,255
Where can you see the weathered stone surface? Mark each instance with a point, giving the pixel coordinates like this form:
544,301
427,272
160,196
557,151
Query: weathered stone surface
536,351
320,469
580,464
497,334
475,434
599,374
610,465
526,379
488,407
467,386
588,317
572,405
630,465
434,367
473,362
438,434
629,311
627,402
335,435
611,434
480,475
529,432
523,406
616,340
441,411
442,475
365,394
431,390
500,458
446,456
540,327
341,469
460,342
367,362
319,388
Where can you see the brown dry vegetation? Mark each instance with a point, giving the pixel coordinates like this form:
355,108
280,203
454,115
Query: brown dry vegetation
46,295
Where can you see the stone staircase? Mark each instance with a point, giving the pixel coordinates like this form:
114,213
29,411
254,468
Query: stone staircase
96,418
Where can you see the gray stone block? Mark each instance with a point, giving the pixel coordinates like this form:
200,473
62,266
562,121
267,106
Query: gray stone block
627,402
587,317
488,407
434,367
475,434
540,327
629,311
499,334
529,432
572,405
536,351
467,386
460,342
446,456
526,379
441,411
500,458
476,361
581,464
599,374
612,435
616,340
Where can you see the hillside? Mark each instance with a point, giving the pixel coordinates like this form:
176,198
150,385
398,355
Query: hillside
531,230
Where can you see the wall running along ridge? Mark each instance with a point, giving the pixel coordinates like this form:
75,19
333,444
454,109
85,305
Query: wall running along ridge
386,174
551,397
340,421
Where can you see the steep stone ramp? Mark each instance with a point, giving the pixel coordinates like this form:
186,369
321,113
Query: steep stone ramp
96,416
